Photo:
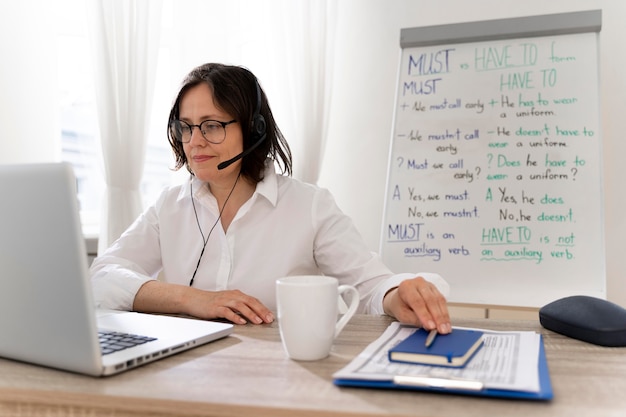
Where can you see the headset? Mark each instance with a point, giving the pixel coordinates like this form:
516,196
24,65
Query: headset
258,130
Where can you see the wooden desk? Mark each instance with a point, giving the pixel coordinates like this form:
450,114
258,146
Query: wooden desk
247,374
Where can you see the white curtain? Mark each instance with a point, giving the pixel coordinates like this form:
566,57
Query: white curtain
307,36
125,43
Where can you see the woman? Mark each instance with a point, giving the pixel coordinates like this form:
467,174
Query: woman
221,240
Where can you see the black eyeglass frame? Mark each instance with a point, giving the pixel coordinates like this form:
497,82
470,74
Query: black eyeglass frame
191,126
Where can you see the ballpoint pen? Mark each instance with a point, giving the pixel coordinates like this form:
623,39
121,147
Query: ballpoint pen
431,337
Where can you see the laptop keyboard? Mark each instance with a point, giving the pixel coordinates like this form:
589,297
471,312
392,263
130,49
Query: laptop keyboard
115,341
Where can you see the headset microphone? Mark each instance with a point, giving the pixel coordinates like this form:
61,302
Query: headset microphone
231,161
258,130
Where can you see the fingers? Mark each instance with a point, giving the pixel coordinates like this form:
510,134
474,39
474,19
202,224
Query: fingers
422,304
243,309
235,306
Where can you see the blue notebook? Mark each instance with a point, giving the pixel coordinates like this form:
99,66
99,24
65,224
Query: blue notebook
453,350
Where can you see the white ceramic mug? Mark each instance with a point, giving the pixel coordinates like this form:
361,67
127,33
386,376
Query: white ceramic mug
307,314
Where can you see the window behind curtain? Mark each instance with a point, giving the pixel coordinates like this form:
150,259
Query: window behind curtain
79,121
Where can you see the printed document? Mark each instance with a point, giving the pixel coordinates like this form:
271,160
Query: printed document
507,360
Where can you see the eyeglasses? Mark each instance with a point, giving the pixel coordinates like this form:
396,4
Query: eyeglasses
213,131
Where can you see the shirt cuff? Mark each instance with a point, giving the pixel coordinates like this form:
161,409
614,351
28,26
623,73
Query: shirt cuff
376,303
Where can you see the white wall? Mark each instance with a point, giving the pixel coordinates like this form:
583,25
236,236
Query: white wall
365,81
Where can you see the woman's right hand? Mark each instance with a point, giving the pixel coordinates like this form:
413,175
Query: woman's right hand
231,305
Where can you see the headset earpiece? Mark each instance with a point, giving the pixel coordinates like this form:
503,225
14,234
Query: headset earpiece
258,121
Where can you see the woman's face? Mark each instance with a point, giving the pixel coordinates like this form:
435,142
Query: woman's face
196,106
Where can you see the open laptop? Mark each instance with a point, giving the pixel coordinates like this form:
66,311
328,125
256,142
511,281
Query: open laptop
47,313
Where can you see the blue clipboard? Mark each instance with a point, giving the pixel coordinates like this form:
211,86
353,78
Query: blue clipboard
545,386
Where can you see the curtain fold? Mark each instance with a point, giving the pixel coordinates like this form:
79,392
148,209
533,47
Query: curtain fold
308,32
125,45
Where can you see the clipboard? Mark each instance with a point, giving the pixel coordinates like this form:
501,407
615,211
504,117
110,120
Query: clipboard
460,387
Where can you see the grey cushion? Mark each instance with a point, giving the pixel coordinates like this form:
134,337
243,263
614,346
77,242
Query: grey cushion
590,319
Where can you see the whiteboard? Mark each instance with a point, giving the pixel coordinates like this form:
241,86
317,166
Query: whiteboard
494,176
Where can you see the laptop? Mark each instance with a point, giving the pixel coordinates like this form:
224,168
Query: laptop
47,312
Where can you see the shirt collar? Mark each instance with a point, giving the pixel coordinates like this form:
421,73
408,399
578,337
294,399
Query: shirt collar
185,189
268,187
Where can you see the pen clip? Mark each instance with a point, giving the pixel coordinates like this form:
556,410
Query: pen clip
434,382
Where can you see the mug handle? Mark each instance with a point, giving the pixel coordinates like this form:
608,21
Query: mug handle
354,304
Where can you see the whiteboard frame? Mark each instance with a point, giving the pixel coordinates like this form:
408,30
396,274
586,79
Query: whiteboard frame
517,27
